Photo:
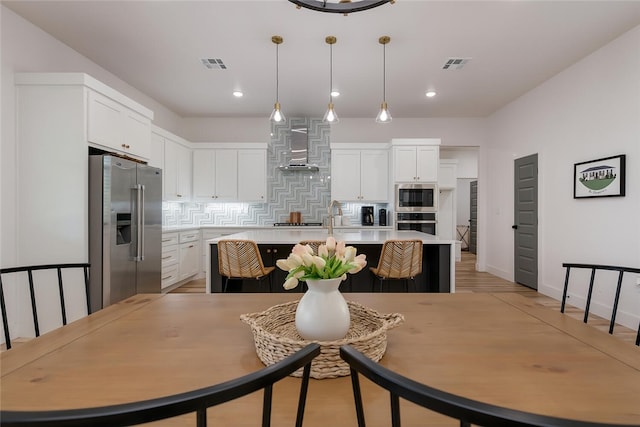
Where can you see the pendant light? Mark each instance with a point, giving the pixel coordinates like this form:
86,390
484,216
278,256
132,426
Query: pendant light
384,116
276,114
330,116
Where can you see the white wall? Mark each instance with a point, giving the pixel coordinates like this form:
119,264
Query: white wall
589,111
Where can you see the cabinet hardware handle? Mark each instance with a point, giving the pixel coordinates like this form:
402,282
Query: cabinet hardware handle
179,195
191,246
168,277
275,251
123,146
268,251
166,257
166,240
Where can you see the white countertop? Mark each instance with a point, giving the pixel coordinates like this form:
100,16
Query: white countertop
280,236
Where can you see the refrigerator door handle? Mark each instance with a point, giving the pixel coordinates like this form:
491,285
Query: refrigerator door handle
139,223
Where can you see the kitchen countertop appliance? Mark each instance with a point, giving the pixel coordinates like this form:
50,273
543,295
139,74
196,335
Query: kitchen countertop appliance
125,229
367,215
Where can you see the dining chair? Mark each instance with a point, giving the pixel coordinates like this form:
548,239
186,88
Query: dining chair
594,268
184,403
241,259
44,280
467,411
399,260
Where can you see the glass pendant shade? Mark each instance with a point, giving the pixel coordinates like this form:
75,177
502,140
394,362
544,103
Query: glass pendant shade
384,116
276,114
330,116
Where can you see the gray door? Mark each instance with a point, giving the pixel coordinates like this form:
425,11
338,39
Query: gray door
526,221
473,216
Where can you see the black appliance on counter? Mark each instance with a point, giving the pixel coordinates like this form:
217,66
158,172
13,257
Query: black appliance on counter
367,215
382,217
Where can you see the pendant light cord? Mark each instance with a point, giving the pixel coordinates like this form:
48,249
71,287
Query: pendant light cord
384,72
330,72
277,72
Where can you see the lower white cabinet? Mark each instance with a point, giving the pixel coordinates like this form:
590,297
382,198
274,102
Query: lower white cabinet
170,259
189,254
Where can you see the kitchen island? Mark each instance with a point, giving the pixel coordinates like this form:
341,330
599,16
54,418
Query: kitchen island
438,259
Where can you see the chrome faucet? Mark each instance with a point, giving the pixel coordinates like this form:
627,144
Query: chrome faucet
330,210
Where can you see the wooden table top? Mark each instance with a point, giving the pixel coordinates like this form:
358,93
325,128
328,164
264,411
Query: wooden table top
498,348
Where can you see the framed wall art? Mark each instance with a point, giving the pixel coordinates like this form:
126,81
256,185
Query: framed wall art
599,178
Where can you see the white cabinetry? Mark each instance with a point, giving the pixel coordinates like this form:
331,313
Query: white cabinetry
215,175
416,160
359,175
176,172
170,259
226,174
52,119
447,176
115,127
189,254
252,175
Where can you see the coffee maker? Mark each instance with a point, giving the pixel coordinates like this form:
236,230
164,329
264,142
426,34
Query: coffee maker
367,215
382,217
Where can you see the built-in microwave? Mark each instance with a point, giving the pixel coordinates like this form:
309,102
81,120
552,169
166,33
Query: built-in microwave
416,197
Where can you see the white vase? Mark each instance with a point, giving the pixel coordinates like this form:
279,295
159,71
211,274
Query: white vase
322,313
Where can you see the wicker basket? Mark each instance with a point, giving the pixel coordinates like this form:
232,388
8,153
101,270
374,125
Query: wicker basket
276,337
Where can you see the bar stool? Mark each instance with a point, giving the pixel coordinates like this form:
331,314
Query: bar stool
240,259
399,259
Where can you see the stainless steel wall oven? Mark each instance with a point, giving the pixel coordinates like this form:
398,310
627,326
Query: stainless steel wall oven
425,222
416,197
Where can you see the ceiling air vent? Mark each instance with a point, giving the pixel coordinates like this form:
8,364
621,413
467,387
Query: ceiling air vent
455,63
213,63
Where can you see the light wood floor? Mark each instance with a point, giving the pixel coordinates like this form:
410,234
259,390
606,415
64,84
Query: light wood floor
470,280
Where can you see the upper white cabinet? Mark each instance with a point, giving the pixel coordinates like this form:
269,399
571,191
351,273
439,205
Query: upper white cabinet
447,176
215,175
416,160
115,127
252,175
359,175
226,174
176,164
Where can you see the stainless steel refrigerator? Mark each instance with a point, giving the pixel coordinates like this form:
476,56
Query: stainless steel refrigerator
125,229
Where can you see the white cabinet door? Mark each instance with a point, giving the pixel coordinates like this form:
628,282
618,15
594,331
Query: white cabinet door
189,259
405,164
184,173
104,126
428,160
416,163
137,134
117,128
156,156
177,171
374,175
252,175
226,172
345,175
447,176
204,175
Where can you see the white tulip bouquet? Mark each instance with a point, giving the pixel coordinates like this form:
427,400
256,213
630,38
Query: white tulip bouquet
334,259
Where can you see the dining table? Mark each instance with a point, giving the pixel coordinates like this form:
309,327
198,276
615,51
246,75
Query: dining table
499,348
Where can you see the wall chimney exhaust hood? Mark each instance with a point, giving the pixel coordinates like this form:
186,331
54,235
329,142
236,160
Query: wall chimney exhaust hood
298,152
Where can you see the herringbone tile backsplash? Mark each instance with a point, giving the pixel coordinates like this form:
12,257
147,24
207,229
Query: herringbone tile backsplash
306,192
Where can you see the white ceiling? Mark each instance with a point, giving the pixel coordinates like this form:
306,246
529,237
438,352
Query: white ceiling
156,46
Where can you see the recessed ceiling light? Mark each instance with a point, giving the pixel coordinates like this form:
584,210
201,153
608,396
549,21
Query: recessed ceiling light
430,94
335,93
238,94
